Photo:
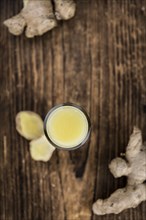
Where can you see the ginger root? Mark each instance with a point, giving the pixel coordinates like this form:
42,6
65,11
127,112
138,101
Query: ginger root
38,16
134,167
30,126
64,10
124,198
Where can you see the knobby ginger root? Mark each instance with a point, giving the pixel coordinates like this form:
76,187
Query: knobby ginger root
128,197
134,167
64,10
30,125
40,149
38,16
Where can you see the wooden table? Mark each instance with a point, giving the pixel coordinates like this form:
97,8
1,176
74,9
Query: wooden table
97,60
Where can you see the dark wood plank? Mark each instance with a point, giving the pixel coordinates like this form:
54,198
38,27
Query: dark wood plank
96,60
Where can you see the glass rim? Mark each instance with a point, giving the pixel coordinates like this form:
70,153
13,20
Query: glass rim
88,120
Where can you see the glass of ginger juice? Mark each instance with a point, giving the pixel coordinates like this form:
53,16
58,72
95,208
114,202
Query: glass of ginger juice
67,126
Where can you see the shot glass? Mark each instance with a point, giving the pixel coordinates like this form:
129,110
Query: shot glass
67,126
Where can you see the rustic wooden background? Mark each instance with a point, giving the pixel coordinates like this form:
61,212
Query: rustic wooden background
98,60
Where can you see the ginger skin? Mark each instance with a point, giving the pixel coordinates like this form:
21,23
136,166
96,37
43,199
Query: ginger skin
134,167
128,197
38,16
64,10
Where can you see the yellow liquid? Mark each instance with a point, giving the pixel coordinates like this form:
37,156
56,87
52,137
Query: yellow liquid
67,126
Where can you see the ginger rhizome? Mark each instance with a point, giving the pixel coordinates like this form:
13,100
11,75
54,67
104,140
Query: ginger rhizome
38,16
134,167
30,126
64,10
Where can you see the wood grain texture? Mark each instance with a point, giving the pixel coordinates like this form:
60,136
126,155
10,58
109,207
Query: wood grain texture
98,60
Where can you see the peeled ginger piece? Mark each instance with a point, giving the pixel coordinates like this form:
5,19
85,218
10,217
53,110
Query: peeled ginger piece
29,125
41,149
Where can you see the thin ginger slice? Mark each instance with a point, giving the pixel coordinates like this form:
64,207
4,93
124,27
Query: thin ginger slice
41,150
29,125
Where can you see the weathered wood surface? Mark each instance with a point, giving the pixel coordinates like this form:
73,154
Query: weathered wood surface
98,60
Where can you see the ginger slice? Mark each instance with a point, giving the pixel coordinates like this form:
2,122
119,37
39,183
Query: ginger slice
41,149
29,125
